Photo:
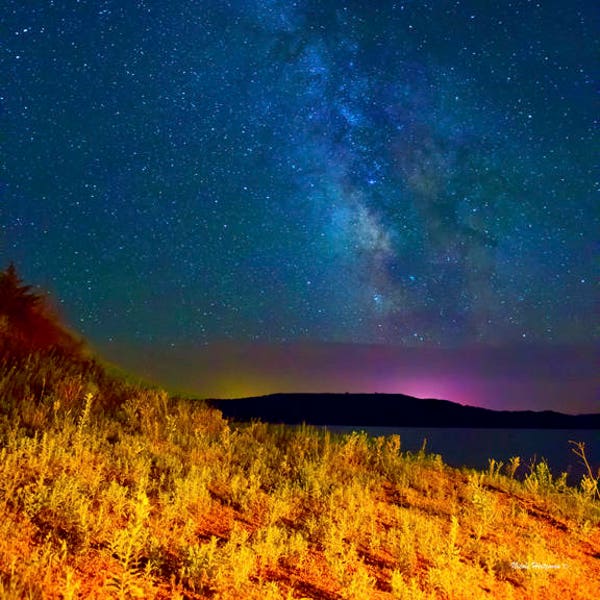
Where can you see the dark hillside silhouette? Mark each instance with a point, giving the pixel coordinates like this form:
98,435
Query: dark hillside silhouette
391,410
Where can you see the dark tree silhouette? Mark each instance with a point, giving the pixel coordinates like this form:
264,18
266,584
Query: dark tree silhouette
26,319
17,302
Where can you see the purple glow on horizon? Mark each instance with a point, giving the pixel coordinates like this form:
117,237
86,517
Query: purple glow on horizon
520,378
432,387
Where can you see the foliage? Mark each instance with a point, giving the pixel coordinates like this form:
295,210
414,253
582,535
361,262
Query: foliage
27,323
112,490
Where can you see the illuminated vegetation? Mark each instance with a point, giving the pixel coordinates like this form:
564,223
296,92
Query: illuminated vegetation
109,490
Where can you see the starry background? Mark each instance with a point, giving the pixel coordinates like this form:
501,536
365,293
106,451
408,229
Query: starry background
250,196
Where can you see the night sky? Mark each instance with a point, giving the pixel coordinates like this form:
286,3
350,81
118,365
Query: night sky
252,196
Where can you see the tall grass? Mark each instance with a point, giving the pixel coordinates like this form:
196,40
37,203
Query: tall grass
110,490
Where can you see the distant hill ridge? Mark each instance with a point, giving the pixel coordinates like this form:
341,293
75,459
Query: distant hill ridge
391,410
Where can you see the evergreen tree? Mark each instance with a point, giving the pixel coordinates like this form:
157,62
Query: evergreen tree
26,319
17,302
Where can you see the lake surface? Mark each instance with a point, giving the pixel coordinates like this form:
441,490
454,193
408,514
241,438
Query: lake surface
473,447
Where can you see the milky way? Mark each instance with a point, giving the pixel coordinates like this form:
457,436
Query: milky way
408,173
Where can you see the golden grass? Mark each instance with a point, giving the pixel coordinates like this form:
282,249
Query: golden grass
108,490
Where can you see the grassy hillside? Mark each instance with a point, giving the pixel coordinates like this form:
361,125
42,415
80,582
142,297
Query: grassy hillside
109,490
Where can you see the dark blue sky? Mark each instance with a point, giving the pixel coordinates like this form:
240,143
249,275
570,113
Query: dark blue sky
407,174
